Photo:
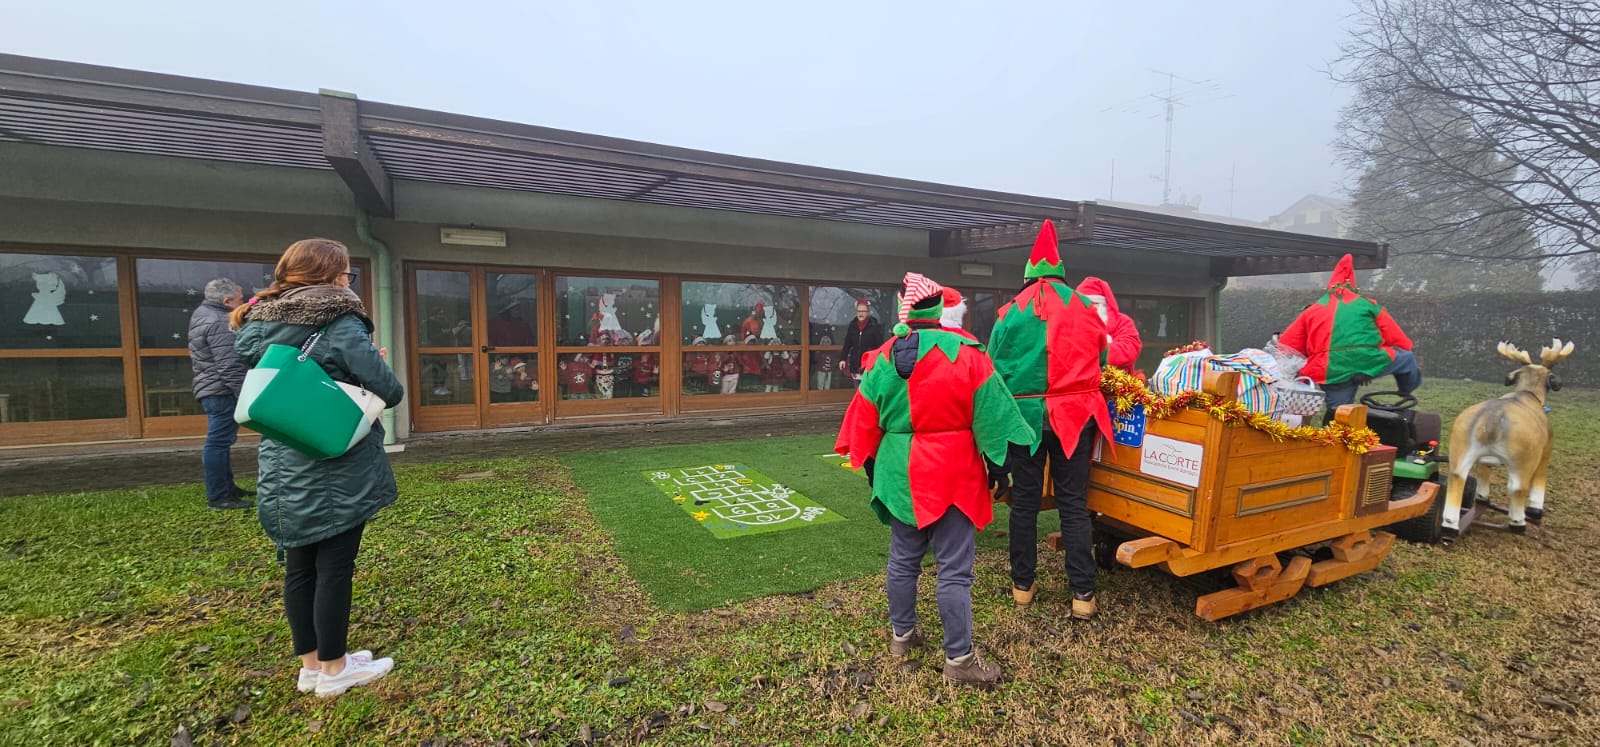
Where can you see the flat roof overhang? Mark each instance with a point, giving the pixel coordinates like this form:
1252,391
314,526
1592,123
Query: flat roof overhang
371,144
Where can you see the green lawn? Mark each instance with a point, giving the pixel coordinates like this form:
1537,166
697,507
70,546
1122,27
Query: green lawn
506,590
684,568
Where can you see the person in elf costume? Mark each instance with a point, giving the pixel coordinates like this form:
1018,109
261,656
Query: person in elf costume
1122,335
932,424
1048,344
1348,340
955,314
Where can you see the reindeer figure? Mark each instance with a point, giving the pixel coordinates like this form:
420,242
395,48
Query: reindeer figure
1512,431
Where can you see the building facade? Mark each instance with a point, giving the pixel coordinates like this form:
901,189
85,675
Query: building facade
520,276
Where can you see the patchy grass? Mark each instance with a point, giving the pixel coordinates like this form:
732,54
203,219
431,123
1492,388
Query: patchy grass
514,620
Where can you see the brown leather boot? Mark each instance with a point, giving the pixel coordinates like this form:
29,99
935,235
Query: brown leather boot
1083,607
1023,598
901,646
972,669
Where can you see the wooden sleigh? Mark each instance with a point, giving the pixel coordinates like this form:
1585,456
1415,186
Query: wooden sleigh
1197,495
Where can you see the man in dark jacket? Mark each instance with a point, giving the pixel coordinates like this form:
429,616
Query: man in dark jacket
218,376
863,336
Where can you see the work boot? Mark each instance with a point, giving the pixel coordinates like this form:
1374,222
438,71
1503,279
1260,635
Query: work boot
231,502
971,670
1023,597
1083,606
901,645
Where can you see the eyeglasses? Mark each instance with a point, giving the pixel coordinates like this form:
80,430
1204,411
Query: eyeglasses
349,276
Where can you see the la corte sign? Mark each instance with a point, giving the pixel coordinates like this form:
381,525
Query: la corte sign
1169,459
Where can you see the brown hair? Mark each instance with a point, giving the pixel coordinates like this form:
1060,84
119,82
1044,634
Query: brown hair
305,262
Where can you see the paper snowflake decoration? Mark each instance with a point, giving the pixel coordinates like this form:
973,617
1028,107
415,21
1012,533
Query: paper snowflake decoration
94,317
191,291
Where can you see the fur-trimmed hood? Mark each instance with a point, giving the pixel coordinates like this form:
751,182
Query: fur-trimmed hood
310,305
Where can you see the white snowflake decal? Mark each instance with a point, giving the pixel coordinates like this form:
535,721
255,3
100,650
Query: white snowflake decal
191,291
94,317
175,336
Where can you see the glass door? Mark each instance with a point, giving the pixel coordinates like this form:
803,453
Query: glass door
475,342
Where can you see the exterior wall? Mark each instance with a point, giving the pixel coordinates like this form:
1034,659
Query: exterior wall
58,199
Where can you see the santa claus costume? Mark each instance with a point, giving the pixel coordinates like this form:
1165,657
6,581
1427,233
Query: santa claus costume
1048,344
955,314
1122,336
930,414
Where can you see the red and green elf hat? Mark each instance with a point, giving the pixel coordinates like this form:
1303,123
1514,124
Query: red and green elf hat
919,289
1045,261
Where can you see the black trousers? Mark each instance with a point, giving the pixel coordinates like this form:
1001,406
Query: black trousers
1071,477
316,593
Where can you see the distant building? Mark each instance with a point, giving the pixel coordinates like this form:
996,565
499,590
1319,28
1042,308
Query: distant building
1318,215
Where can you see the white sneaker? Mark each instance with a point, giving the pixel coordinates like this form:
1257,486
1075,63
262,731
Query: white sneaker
308,677
357,671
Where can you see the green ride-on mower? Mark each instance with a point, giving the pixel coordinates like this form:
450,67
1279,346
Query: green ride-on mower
1415,436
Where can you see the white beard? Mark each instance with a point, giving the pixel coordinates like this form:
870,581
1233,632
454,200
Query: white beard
954,315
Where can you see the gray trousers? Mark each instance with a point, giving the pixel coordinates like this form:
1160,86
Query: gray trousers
954,542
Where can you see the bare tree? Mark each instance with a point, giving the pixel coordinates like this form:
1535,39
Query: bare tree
1463,98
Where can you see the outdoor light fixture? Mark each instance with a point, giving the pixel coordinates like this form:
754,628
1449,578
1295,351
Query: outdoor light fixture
471,236
977,269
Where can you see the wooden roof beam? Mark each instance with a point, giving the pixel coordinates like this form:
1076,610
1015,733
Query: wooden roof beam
1285,265
348,151
962,242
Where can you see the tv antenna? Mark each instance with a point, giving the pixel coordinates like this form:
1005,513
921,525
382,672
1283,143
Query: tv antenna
1192,92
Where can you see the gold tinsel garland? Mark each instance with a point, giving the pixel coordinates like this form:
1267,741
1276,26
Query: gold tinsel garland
1127,391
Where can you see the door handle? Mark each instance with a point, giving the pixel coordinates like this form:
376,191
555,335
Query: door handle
488,348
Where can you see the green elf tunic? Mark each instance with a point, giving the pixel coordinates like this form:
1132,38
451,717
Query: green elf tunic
1344,334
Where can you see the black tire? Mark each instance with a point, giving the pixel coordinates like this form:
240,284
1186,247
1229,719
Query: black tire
1427,528
1105,548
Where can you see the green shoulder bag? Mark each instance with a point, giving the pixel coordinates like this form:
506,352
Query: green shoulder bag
288,398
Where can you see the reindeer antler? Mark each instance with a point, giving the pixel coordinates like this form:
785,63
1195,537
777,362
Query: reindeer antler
1510,351
1555,353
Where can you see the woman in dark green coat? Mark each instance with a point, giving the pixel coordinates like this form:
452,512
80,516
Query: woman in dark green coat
315,509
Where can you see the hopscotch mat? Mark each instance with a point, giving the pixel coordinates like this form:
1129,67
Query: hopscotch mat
840,461
733,500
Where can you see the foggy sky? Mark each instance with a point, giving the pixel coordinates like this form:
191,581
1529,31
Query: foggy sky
1008,95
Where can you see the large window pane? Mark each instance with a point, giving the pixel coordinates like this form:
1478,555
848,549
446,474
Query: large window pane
606,311
35,390
834,307
728,313
444,310
600,375
445,379
513,307
59,301
169,387
170,289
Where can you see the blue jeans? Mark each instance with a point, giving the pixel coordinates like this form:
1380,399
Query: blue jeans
1407,377
221,432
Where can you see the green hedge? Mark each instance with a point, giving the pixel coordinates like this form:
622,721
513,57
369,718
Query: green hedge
1455,335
